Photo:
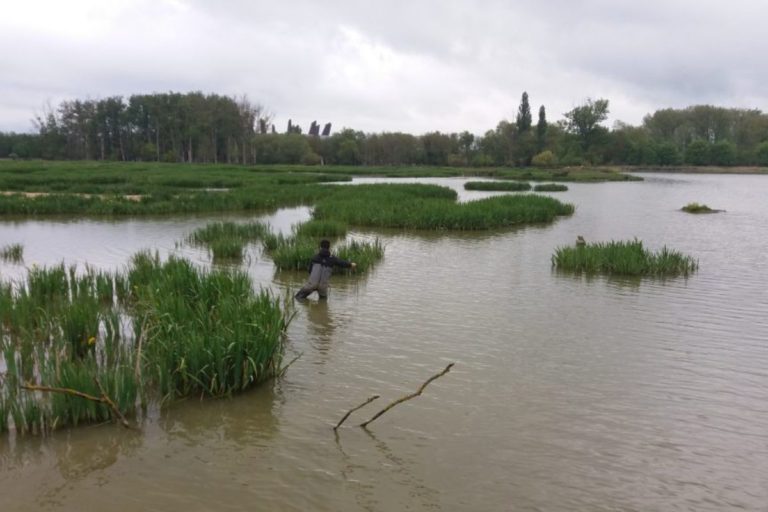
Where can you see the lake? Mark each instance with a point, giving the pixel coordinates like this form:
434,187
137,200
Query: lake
568,392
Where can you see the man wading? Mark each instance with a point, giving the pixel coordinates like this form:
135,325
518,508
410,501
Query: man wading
320,269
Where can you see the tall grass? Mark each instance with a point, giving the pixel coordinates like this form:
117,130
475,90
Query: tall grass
623,258
320,229
202,333
13,253
550,187
511,186
227,240
435,209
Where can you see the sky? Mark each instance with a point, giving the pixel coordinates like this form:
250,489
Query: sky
388,65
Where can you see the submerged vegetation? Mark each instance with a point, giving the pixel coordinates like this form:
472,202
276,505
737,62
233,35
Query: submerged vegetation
13,253
511,186
623,258
698,208
550,187
161,331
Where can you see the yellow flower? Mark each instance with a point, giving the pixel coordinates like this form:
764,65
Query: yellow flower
92,340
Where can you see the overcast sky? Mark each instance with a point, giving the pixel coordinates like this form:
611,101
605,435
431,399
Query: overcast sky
412,66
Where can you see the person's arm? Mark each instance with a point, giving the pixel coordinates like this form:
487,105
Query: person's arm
338,262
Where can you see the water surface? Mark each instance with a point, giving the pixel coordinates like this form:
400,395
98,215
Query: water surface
568,393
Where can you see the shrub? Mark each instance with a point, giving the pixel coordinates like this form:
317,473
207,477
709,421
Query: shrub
544,159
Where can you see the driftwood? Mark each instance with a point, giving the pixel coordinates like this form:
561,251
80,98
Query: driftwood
408,397
374,397
104,399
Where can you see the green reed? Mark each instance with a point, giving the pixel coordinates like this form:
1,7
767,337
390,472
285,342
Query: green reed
510,186
320,229
13,253
227,240
202,332
698,208
623,258
434,208
213,334
550,187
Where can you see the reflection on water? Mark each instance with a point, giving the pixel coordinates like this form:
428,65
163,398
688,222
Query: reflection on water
570,392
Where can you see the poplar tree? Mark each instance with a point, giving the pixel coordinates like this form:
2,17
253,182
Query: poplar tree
524,119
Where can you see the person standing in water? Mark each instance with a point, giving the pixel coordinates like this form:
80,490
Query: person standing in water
320,270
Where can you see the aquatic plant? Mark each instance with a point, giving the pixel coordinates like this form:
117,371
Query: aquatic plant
550,187
498,185
623,258
227,240
167,330
13,253
320,229
430,207
698,208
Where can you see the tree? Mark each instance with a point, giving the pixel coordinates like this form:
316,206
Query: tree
541,129
697,152
762,154
723,153
524,119
667,154
584,120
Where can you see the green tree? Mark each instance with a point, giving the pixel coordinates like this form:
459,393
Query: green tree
697,152
524,119
541,129
723,153
584,120
667,154
762,154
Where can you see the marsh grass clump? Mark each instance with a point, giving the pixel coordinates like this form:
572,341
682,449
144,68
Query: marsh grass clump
434,208
623,258
227,240
201,333
320,229
550,187
509,186
13,253
698,208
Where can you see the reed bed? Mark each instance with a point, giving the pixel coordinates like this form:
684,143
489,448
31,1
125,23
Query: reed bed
295,253
434,208
227,240
160,331
508,186
13,253
698,208
623,258
320,229
550,187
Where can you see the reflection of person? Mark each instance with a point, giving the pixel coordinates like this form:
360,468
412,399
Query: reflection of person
320,270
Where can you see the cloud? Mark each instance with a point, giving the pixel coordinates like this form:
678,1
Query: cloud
402,65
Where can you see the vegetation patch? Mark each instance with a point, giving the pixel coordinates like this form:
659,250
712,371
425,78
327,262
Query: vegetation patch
13,253
550,187
698,208
432,207
158,332
511,186
623,258
227,240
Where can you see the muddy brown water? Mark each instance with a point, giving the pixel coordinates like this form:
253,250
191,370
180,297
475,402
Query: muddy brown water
568,393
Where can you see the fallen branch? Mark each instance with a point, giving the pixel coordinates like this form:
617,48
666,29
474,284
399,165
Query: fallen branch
104,399
408,397
374,397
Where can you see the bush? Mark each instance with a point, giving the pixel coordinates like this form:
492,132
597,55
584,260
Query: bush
697,152
311,158
544,159
762,154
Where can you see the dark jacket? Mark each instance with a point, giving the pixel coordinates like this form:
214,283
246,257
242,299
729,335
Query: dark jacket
321,267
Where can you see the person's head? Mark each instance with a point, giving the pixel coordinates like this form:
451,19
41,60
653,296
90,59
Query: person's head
325,244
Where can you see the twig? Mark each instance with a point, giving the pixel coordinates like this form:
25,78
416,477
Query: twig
104,399
111,404
408,397
374,397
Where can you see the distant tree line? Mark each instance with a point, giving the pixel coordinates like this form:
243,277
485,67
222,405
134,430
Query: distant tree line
193,127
